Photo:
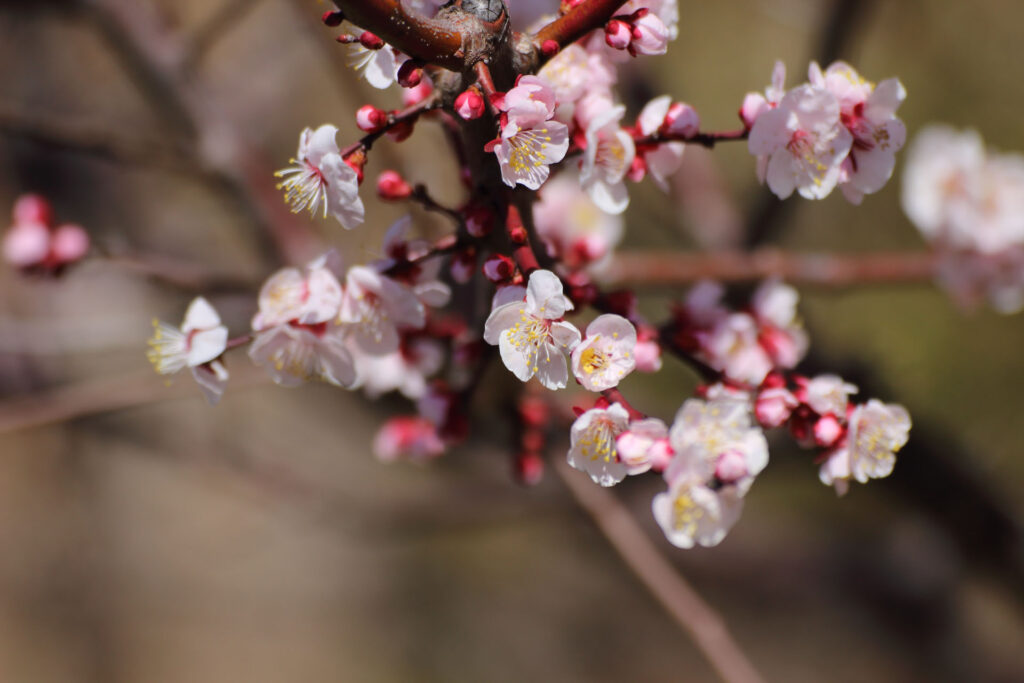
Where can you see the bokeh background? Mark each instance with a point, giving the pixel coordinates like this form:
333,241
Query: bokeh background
147,537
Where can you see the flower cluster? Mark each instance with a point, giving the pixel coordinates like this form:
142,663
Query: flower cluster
837,129
34,243
969,204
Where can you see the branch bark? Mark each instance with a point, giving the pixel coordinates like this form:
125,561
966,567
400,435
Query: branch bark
676,596
576,23
832,270
428,40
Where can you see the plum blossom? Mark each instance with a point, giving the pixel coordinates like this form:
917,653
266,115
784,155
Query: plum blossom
593,444
319,177
374,307
869,113
969,204
606,160
294,354
876,431
804,141
644,445
572,228
405,370
691,512
197,345
716,438
307,297
826,394
530,140
530,332
605,356
661,160
378,66
746,346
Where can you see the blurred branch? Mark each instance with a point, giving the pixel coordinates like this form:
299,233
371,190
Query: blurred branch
153,57
179,273
833,270
48,130
676,596
207,35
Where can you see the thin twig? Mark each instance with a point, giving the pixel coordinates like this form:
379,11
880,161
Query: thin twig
574,24
675,595
832,270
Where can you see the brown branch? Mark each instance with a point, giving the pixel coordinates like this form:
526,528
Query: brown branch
407,115
675,595
708,140
832,270
429,40
574,24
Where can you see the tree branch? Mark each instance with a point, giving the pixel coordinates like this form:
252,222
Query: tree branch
429,40
574,24
832,270
675,595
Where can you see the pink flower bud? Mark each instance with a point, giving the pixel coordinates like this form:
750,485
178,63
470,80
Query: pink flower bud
529,469
370,119
371,41
411,96
827,431
392,186
70,244
407,438
638,169
647,355
774,406
549,48
26,244
731,467
499,268
332,18
400,131
410,74
649,36
470,104
479,221
753,105
32,208
681,120
617,34
661,455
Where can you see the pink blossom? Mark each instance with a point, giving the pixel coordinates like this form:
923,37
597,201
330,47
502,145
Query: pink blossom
644,445
661,160
755,104
530,141
692,513
574,230
593,444
650,36
530,332
319,177
826,394
307,297
804,141
26,244
876,432
294,354
605,356
374,307
606,159
773,406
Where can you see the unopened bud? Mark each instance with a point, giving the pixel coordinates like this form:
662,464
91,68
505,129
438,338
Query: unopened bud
617,34
411,96
731,467
410,74
499,268
332,18
479,221
26,244
70,243
371,41
31,208
470,104
681,120
549,48
827,431
370,119
356,160
392,186
400,131
529,468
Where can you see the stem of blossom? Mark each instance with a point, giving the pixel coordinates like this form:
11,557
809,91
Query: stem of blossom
486,83
574,24
407,115
615,396
429,40
832,270
238,341
708,140
422,196
676,596
522,251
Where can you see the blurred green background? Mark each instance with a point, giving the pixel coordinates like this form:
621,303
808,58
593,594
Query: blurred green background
261,541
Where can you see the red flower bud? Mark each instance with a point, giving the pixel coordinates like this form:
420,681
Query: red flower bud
470,104
392,186
410,74
370,119
371,41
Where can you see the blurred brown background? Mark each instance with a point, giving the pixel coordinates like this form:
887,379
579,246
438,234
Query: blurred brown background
261,541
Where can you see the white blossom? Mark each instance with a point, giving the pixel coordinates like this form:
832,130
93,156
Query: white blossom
319,177
592,444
